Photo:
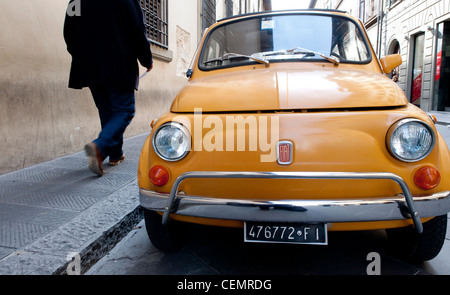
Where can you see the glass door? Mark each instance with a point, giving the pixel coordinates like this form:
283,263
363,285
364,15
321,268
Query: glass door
441,97
416,85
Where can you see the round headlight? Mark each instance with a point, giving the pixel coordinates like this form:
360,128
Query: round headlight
410,140
172,141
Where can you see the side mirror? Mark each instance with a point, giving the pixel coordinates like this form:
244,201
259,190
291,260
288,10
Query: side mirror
390,62
189,73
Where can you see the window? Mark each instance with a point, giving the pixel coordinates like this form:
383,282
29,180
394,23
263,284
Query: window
208,13
229,8
368,9
361,9
155,20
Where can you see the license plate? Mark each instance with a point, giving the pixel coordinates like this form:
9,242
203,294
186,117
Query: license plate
292,233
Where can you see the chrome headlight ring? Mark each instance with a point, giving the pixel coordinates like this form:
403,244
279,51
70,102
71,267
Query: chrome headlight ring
171,141
410,140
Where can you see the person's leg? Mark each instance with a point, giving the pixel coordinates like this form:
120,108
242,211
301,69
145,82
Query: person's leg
101,100
94,153
116,110
121,111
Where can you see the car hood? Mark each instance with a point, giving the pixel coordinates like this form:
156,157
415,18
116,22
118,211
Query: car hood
278,89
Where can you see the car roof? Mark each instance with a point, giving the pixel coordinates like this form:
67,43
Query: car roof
281,11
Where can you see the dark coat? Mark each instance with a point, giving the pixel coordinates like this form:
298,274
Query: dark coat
106,40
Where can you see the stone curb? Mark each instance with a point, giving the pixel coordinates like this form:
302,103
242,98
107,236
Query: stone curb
91,235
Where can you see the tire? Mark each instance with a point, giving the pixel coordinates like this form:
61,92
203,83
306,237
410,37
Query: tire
167,238
407,244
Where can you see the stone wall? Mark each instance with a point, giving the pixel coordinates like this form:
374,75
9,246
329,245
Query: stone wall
40,117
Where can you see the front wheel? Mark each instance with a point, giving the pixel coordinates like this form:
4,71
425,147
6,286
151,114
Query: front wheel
409,245
167,238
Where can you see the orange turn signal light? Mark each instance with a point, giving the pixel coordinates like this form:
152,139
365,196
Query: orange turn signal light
159,175
427,178
433,118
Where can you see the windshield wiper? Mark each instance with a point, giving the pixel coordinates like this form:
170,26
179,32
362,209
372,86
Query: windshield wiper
260,56
331,59
299,50
229,56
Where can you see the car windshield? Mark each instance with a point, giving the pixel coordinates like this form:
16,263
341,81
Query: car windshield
292,37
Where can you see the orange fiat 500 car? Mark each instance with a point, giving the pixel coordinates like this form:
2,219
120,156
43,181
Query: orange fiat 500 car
289,128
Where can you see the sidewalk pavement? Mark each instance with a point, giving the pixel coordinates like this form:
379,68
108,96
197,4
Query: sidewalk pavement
443,118
443,123
57,208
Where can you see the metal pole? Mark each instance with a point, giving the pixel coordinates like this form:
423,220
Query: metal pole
380,27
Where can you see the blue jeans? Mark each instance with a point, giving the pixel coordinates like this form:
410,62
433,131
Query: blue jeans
116,109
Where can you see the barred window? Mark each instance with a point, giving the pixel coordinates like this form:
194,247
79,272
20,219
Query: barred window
208,13
368,9
156,21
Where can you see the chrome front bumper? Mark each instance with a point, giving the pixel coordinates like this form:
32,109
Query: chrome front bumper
402,206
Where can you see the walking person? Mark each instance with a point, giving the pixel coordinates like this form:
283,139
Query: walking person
106,39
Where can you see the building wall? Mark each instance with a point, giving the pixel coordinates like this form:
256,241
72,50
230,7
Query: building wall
400,23
239,7
40,117
404,21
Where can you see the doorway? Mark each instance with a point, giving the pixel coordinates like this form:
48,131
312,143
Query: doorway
416,85
441,99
